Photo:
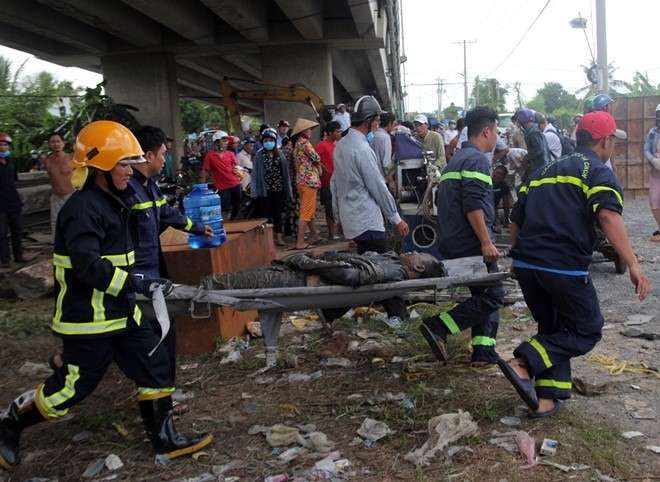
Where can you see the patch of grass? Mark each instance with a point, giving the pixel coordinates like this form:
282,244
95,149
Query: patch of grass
23,325
492,409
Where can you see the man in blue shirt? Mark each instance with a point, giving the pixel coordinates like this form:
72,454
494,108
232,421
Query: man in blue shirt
553,234
465,219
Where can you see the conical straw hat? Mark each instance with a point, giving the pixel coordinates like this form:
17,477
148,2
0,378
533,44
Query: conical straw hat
303,124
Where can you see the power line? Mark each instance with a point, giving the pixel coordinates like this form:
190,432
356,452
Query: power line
519,41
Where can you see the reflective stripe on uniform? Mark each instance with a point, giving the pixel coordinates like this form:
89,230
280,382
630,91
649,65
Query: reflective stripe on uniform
449,322
189,225
117,282
121,259
541,351
62,261
553,384
49,403
458,175
149,204
483,341
576,181
89,328
126,259
97,305
154,393
61,279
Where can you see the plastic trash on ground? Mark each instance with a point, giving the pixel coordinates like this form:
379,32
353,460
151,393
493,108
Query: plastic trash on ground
373,429
443,430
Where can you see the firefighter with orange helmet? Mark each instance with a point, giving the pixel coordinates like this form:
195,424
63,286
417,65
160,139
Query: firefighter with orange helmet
96,315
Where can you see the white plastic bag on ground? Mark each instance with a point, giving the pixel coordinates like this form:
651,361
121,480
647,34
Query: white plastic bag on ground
443,430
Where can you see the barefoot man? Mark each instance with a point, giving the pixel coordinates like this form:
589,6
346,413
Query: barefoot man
59,172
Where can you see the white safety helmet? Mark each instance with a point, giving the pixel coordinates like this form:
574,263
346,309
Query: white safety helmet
219,135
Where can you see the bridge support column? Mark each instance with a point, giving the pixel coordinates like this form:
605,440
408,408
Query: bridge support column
147,81
305,64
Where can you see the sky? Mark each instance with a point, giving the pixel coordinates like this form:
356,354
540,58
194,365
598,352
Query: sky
549,49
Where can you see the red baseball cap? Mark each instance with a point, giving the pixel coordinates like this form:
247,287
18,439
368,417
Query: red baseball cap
599,125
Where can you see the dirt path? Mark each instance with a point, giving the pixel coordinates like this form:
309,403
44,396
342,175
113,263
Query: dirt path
231,398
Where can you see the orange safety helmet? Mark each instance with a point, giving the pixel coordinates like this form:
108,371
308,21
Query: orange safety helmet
102,144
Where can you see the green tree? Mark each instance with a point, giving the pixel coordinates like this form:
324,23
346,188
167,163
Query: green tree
25,102
555,97
642,86
195,116
520,100
451,112
94,105
489,93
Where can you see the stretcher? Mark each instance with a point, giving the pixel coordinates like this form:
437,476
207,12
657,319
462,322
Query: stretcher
271,303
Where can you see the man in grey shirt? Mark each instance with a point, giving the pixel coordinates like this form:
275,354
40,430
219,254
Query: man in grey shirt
381,144
360,198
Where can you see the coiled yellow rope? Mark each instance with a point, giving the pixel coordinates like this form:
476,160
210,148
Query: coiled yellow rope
616,367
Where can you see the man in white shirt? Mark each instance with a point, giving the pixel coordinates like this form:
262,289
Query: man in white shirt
450,133
554,144
343,117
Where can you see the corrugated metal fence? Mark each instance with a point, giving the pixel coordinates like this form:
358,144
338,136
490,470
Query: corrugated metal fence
635,115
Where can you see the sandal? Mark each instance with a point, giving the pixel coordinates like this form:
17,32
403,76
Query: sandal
549,413
524,386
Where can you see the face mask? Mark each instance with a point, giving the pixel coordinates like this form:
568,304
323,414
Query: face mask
370,136
269,146
4,154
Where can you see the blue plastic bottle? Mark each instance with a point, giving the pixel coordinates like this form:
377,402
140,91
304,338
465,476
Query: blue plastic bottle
203,206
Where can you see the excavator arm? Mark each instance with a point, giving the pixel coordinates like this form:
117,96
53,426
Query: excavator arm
278,91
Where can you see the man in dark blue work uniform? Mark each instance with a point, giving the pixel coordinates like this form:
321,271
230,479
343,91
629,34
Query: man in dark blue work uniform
553,235
152,215
465,219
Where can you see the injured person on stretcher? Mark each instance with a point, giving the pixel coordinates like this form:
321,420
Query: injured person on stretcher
331,268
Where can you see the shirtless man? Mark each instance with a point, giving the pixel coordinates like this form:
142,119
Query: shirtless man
59,172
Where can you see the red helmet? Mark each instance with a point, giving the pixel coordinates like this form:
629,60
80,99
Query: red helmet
5,138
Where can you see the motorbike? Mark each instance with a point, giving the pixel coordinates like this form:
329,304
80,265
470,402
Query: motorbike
604,247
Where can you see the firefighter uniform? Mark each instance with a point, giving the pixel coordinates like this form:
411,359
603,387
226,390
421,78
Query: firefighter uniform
465,186
150,215
95,314
95,310
551,257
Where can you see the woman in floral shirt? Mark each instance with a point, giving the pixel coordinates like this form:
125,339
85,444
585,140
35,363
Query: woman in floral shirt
308,181
270,181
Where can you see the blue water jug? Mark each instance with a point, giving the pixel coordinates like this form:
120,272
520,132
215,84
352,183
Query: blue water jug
203,206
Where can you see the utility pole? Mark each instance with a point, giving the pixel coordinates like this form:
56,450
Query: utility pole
465,88
601,48
440,84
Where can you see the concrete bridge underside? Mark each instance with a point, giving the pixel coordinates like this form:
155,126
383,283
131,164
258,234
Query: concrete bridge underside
150,52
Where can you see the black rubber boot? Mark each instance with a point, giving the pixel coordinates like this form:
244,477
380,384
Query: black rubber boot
20,414
157,416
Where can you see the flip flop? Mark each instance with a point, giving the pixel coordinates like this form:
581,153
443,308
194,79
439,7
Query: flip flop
436,343
524,386
280,243
549,413
307,246
318,241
